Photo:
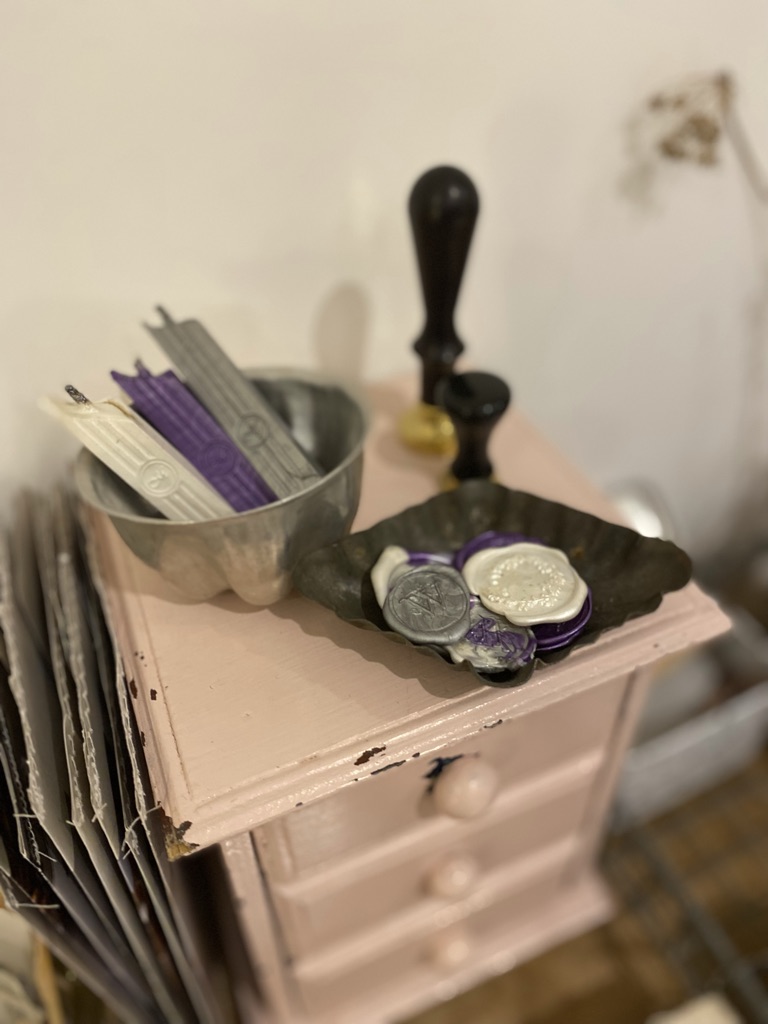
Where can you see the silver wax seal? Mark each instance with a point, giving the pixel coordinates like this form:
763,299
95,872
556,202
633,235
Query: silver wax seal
526,583
429,605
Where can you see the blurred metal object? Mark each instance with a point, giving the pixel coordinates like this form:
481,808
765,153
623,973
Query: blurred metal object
253,553
428,429
644,509
680,764
682,687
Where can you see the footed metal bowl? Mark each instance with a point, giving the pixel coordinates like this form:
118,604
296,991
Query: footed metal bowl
252,553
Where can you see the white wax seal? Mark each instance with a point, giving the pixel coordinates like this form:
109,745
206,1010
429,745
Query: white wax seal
389,560
526,583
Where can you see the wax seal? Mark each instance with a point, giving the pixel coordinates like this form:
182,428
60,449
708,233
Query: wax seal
389,559
526,583
488,539
429,605
429,558
394,562
492,644
551,636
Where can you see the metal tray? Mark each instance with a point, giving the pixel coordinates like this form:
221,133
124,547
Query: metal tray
628,574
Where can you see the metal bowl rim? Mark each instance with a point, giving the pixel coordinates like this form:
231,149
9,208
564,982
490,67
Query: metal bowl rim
84,458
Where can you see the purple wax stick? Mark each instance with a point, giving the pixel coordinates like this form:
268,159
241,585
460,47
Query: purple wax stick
174,412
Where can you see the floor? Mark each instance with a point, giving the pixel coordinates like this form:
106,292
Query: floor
612,974
692,896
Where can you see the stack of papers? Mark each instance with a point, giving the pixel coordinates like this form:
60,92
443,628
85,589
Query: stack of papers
82,848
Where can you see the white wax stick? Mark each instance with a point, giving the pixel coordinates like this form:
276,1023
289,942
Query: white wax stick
140,456
237,405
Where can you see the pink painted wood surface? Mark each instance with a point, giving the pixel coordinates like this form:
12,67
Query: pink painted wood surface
369,964
568,913
519,750
249,712
262,982
434,866
515,838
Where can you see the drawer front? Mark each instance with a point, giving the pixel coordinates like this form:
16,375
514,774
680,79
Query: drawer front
441,867
439,944
379,806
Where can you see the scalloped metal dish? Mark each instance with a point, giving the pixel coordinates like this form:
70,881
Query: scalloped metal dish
628,574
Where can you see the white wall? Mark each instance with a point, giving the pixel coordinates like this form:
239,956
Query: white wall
248,162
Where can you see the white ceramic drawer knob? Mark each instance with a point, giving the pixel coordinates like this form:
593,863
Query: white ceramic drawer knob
453,877
450,950
465,788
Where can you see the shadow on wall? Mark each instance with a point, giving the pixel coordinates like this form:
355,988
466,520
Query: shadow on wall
341,331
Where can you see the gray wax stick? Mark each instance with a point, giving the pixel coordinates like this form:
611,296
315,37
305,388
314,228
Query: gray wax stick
235,403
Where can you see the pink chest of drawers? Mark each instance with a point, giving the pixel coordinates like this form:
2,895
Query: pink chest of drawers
391,834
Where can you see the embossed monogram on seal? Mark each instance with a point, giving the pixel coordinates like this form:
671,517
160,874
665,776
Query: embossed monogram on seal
218,458
253,432
159,478
429,604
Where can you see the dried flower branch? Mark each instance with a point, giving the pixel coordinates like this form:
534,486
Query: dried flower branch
688,121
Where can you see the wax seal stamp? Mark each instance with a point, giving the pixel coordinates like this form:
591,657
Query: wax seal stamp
475,403
429,605
443,208
526,583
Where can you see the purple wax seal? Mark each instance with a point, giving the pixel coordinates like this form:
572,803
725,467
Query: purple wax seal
489,539
174,412
492,644
551,636
427,558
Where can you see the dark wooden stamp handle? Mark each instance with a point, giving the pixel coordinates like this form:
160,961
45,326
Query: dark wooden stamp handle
443,208
475,402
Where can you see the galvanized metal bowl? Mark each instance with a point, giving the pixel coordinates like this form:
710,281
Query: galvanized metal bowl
252,553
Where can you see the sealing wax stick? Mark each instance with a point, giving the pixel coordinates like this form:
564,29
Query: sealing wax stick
174,411
237,406
140,456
